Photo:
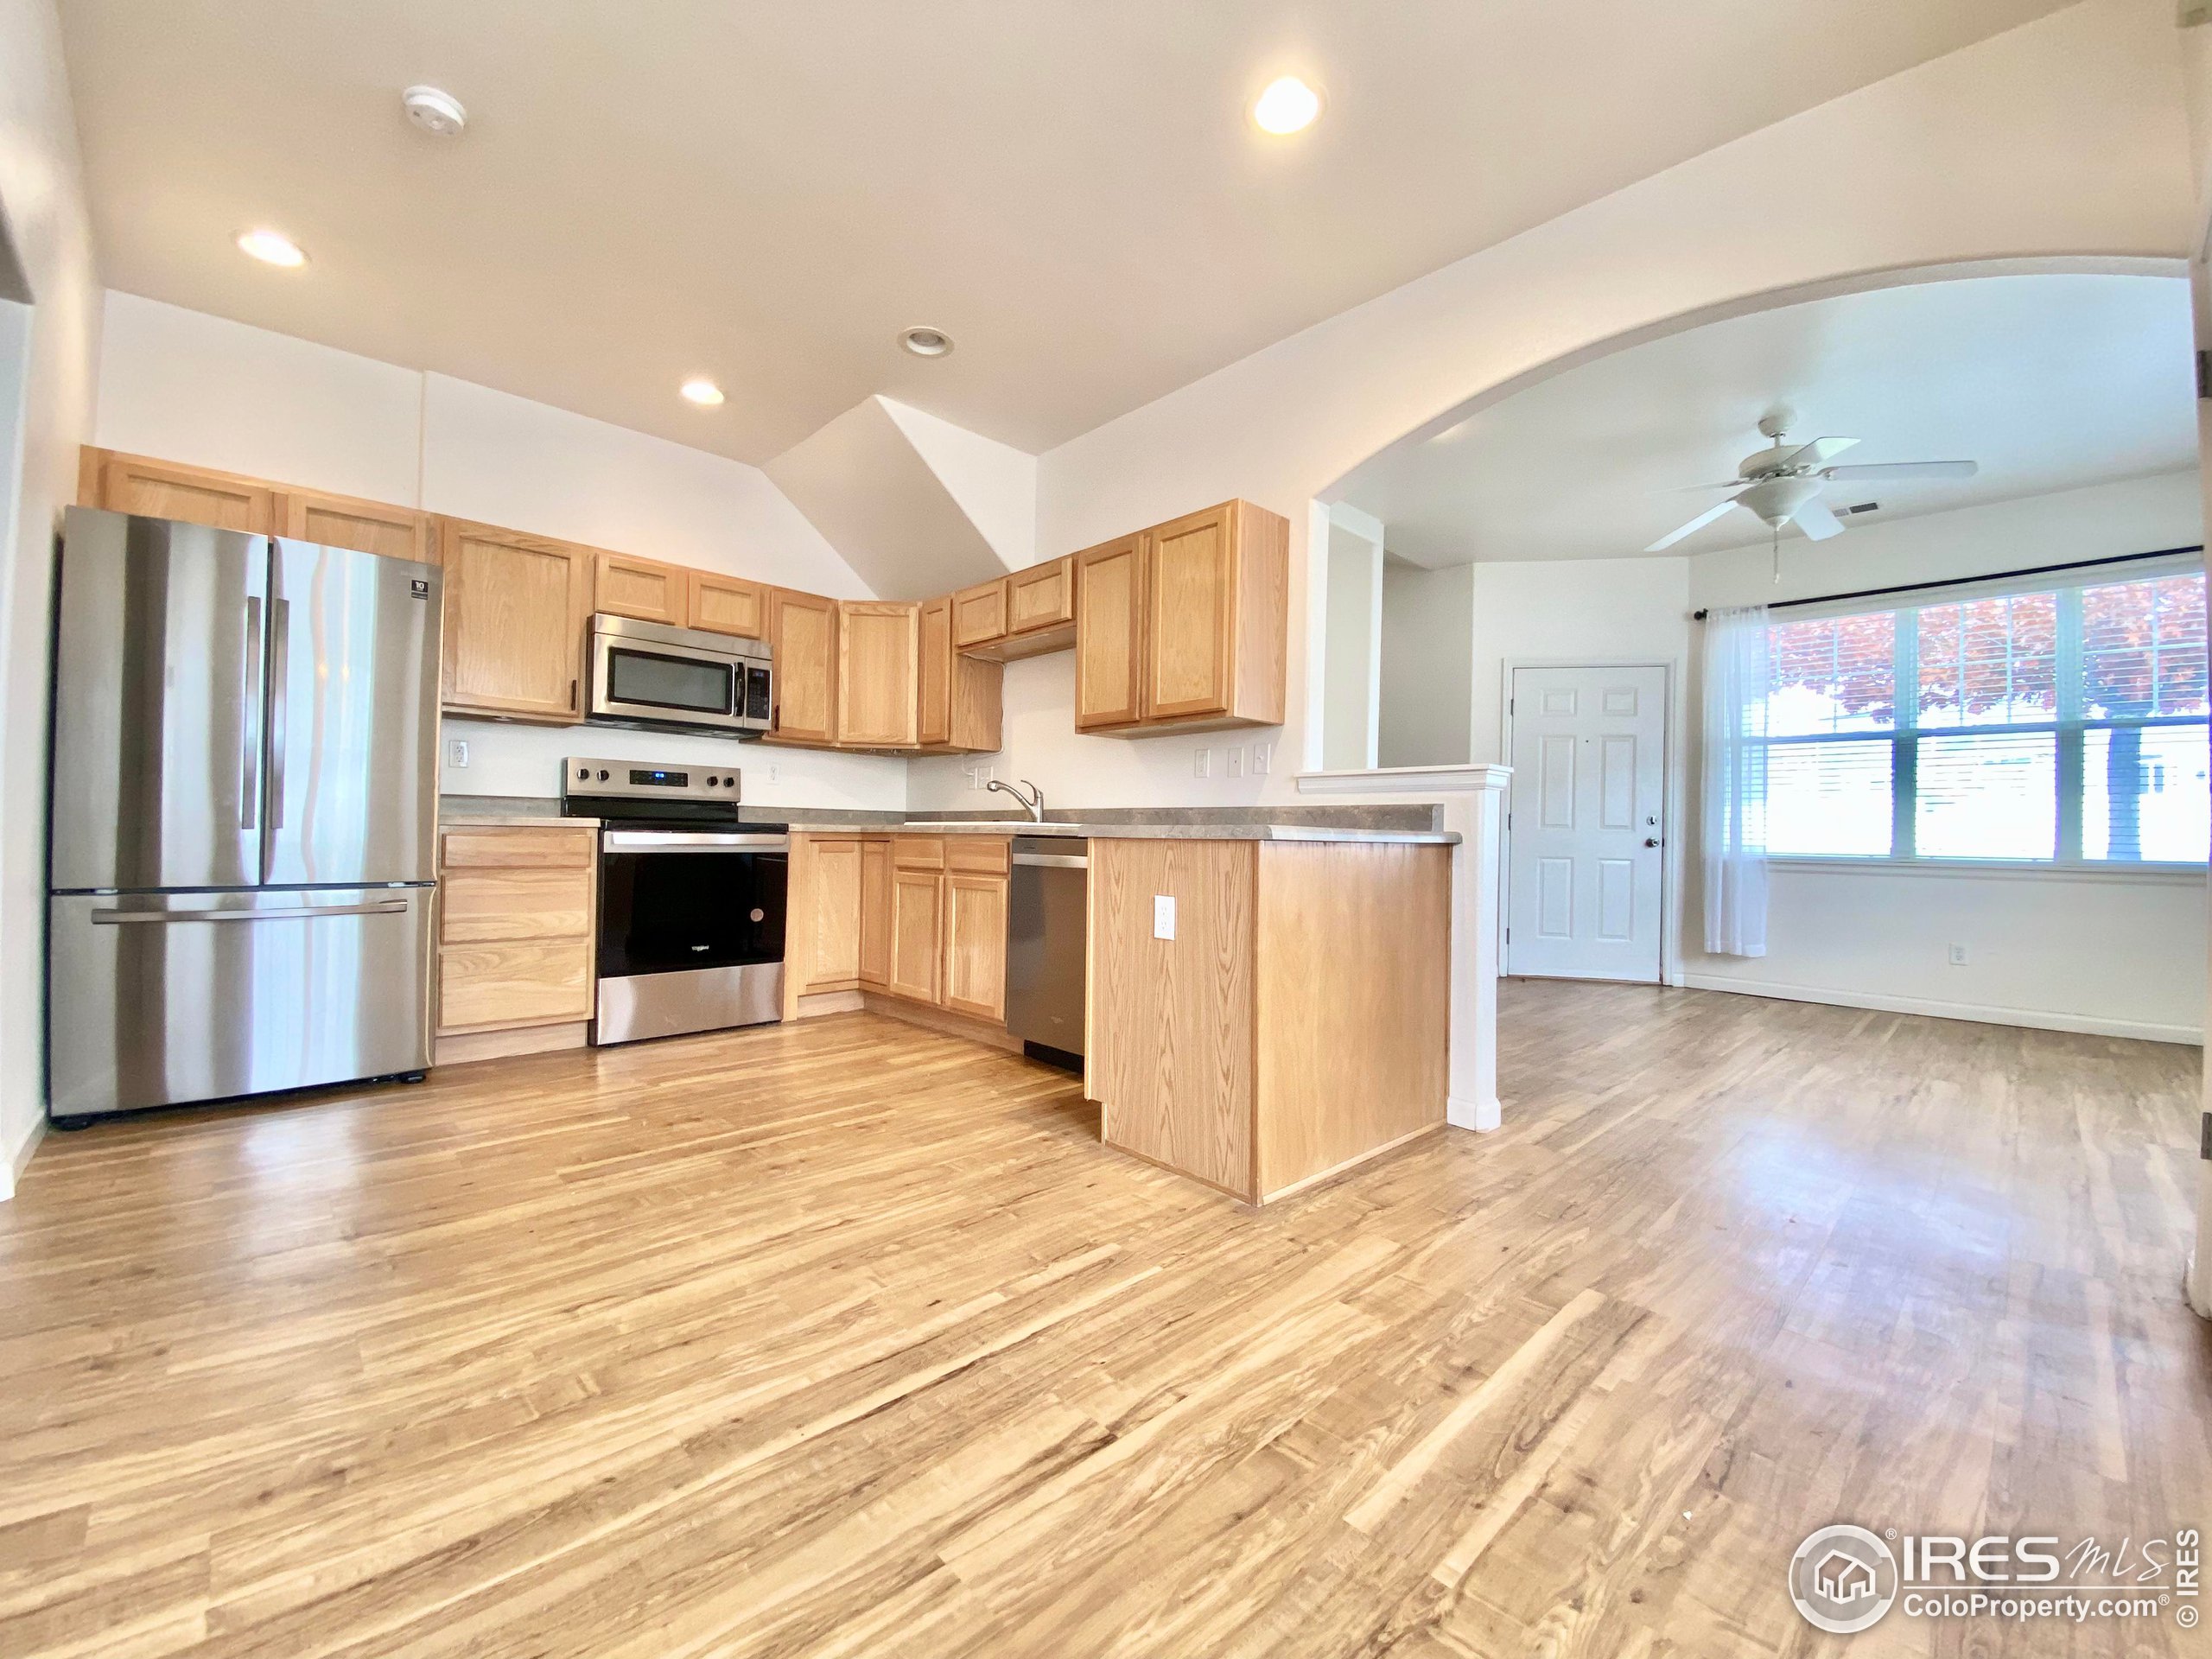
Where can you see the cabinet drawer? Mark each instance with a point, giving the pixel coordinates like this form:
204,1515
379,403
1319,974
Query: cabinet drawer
567,847
979,855
918,852
479,905
515,983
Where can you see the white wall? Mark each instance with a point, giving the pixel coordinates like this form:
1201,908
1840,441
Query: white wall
1351,652
190,387
2066,136
48,387
2116,952
1428,635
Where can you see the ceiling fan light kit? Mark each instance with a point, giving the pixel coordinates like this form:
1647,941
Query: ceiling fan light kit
1781,484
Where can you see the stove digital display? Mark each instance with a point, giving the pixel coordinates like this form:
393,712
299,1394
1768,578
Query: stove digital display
666,779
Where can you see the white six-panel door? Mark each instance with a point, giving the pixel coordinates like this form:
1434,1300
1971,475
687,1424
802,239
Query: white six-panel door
1583,889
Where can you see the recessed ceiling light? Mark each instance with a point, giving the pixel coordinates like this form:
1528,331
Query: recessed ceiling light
272,248
434,110
702,392
927,342
1288,106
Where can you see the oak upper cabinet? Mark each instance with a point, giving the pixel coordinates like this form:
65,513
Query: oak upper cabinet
515,927
958,695
1217,589
1109,634
643,588
727,605
161,489
1041,597
979,615
875,911
877,662
802,634
516,607
364,526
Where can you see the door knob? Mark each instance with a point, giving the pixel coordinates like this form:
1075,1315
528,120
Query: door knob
1651,841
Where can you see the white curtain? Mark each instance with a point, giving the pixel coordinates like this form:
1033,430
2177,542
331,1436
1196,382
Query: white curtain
1737,670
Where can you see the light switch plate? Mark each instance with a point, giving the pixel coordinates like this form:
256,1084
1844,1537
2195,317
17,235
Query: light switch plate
1261,754
1163,916
1201,762
1235,752
457,752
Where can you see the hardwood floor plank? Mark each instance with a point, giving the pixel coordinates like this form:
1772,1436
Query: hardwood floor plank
847,1336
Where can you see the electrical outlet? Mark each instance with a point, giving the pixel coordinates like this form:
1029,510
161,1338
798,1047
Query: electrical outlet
1163,916
1235,756
775,771
1261,754
457,752
1201,762
1958,956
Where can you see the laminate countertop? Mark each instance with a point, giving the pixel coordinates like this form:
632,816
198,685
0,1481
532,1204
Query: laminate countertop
1116,831
503,811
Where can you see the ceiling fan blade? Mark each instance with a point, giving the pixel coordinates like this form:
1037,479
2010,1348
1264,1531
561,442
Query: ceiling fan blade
1818,453
1694,524
1816,520
1725,483
1888,469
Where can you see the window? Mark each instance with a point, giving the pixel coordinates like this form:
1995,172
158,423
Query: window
2066,725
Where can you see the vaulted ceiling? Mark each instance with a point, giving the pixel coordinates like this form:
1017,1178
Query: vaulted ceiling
767,194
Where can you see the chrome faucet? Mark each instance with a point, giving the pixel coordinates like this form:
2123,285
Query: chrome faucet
1034,802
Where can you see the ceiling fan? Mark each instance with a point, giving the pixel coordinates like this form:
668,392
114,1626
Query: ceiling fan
1781,484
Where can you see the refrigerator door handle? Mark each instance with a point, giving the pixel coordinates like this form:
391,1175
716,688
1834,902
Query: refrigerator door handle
250,721
280,674
267,913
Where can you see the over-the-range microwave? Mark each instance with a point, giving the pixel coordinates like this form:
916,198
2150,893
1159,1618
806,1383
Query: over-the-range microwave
649,675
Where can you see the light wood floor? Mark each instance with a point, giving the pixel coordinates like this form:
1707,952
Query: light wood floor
848,1338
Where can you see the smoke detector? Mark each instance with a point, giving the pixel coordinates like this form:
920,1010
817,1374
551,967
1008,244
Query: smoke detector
436,112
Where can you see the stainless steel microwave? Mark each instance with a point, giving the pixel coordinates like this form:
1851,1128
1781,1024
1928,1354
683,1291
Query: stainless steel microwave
649,675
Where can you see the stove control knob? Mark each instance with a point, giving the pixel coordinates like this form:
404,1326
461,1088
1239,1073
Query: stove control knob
602,774
583,772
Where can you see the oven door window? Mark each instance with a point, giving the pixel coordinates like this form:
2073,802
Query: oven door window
663,912
651,681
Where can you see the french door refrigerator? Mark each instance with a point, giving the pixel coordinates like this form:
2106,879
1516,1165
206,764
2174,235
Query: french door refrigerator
244,816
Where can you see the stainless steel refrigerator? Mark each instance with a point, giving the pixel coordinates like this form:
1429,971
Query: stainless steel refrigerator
243,817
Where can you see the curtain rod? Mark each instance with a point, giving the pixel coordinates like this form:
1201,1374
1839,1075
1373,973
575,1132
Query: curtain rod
1966,582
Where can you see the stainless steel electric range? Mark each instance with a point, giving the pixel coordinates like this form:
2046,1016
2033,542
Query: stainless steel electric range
691,899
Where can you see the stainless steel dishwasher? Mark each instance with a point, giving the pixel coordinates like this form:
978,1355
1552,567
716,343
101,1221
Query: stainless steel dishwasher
1045,922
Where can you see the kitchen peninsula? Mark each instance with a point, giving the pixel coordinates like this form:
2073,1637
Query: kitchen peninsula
1266,1003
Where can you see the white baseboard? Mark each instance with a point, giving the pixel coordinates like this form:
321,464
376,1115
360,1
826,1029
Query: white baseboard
18,1156
1984,1014
1480,1115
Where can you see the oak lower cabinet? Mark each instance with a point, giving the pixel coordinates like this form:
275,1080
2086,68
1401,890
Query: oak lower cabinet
822,930
516,611
921,919
875,913
1185,625
803,633
958,697
1296,1022
517,921
974,944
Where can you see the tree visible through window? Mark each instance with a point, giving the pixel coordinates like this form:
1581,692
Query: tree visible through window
2066,724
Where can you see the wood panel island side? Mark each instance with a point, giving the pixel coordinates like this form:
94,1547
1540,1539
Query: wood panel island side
1297,1021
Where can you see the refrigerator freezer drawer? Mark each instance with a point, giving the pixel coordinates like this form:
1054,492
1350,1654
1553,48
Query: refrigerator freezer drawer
163,1000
